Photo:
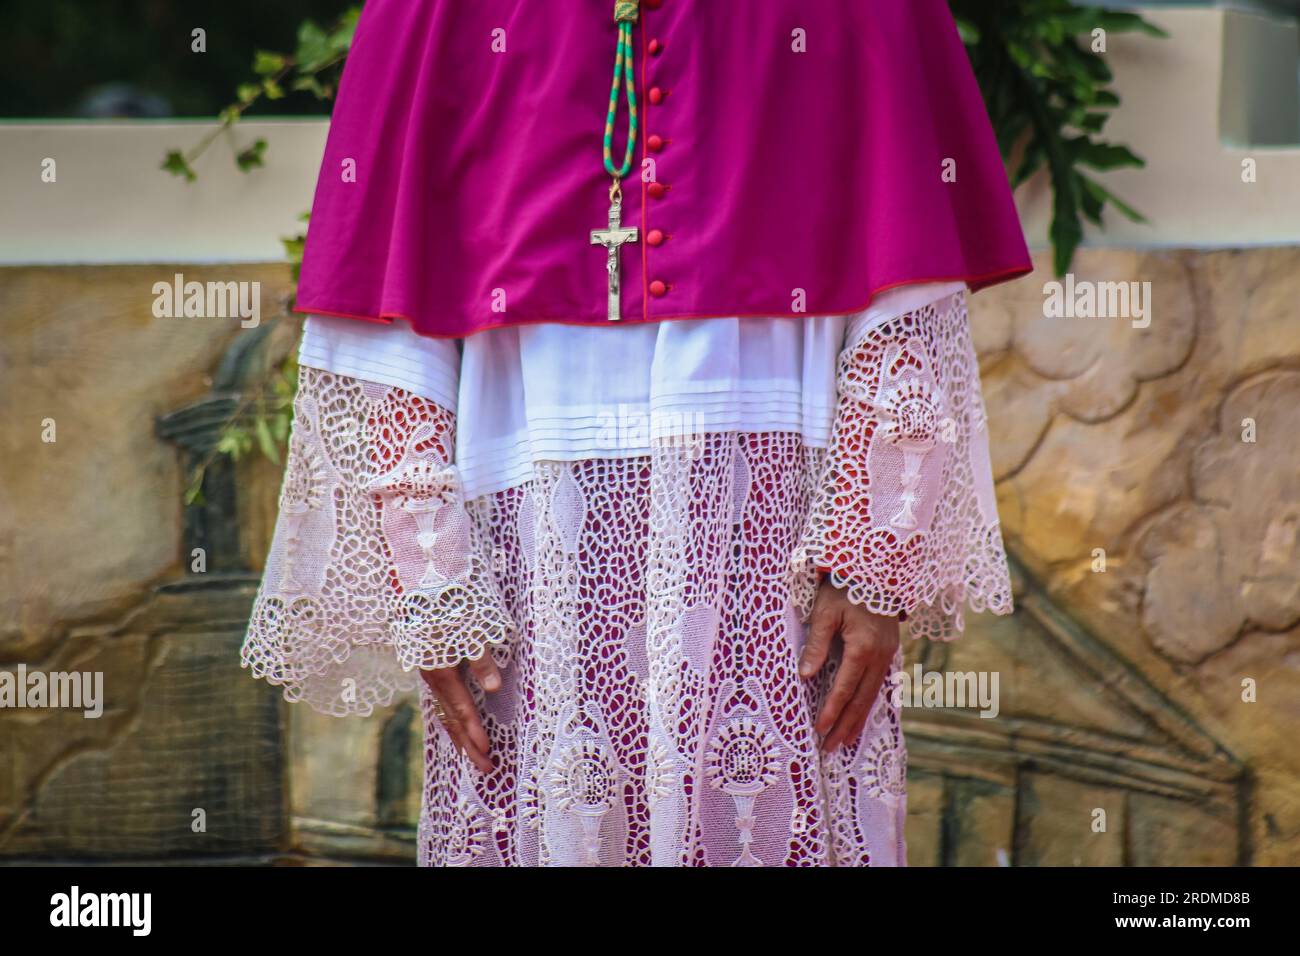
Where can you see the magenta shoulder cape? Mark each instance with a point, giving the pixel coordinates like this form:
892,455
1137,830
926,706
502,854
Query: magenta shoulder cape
795,156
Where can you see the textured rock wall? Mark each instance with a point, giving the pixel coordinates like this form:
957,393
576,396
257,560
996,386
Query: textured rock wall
1171,452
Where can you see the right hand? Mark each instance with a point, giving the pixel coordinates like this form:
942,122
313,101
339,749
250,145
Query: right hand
463,723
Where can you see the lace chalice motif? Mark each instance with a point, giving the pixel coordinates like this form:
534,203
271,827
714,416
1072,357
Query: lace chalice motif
447,616
423,488
301,495
582,783
742,761
910,410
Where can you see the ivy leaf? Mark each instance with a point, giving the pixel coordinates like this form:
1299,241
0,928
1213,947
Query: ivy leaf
341,38
312,85
266,63
176,164
194,493
252,157
293,249
233,443
315,50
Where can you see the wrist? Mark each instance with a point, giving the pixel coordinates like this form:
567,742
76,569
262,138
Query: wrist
825,574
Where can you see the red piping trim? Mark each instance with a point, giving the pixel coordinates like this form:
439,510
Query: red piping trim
645,194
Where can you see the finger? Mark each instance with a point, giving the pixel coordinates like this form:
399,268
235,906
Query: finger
873,683
851,722
825,624
463,723
486,673
443,683
846,683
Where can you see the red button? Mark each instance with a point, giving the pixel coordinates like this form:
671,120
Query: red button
657,288
656,95
655,142
657,190
655,237
656,47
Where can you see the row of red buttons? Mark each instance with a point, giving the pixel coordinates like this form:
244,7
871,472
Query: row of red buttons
655,143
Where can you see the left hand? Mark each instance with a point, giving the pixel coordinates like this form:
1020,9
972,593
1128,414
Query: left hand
870,642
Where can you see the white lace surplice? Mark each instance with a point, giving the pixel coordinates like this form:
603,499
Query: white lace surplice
632,528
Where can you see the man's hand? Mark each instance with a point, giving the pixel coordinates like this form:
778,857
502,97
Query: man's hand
463,723
870,642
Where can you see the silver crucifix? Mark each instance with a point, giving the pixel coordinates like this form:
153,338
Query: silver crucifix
612,239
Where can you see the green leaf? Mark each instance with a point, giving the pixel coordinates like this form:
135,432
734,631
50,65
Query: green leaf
252,157
233,442
194,493
341,38
970,33
1103,156
314,48
264,440
311,85
1066,234
1103,195
1117,22
266,63
176,164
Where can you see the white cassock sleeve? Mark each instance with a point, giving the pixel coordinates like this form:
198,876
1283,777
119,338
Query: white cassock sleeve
905,518
375,570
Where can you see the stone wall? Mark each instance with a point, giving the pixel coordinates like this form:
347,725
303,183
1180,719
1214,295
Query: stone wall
1129,444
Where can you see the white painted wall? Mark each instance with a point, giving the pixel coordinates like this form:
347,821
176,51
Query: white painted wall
1191,188
111,203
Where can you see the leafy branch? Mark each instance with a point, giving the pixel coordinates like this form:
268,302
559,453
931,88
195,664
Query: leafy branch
314,67
261,420
1048,97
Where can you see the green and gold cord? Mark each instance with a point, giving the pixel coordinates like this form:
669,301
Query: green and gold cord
624,14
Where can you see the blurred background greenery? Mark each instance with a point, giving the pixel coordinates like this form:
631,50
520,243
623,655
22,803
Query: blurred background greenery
84,59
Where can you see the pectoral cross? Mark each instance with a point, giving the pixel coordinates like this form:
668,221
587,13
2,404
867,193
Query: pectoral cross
612,239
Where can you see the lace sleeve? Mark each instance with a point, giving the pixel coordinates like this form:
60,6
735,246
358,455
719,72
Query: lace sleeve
375,568
905,519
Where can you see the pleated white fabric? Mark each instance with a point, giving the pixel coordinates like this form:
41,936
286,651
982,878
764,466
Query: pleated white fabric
555,392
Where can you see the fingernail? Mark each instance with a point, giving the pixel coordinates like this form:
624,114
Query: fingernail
492,682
